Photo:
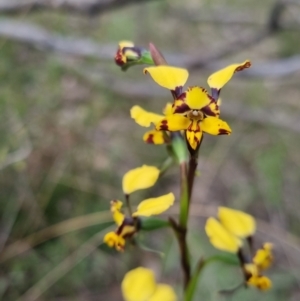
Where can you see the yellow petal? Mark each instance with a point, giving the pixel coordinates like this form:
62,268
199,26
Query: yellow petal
115,205
143,117
155,206
113,240
123,44
194,138
138,285
167,76
168,110
220,238
115,208
237,222
118,217
126,230
155,137
173,122
215,126
218,79
264,257
140,178
163,292
196,98
251,270
261,282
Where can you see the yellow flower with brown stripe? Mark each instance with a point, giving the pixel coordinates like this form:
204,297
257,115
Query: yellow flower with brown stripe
174,79
146,119
127,226
190,115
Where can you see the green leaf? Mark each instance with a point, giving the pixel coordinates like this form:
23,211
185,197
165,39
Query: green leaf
152,223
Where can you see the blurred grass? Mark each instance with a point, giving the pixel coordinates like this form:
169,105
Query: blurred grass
75,139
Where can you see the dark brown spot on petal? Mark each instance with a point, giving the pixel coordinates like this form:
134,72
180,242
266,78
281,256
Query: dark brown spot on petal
223,132
182,108
150,139
211,109
164,125
240,68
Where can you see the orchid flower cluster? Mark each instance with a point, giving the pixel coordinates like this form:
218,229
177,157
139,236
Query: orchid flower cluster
192,113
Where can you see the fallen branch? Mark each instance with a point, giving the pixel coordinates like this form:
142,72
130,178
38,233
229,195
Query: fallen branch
89,7
43,40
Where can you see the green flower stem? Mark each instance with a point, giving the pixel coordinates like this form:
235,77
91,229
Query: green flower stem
190,290
147,58
166,165
180,151
184,197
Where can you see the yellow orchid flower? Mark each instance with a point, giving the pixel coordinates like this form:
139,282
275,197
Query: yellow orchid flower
226,235
140,285
129,54
194,120
129,226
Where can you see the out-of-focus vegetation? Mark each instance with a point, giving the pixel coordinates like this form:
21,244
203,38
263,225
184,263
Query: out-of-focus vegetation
67,138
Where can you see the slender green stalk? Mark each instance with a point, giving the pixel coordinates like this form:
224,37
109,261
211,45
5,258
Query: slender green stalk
166,165
184,196
190,290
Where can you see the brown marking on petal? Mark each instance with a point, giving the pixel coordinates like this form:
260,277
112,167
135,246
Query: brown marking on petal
240,68
164,125
211,112
182,108
150,139
130,223
194,127
120,59
223,132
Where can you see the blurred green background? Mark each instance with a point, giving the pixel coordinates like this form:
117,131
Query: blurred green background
67,139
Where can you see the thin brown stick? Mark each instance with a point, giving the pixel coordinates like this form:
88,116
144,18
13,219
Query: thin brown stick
91,7
56,230
184,254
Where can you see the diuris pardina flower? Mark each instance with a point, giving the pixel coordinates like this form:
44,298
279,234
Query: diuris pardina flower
228,234
140,285
195,111
128,55
145,119
136,179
